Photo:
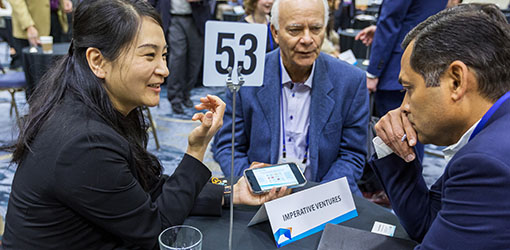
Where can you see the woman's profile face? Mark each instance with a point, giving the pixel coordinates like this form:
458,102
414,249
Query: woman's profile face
134,79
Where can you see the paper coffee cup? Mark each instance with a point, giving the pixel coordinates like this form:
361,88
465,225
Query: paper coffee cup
47,44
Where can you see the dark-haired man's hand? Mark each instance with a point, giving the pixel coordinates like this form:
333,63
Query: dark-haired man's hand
391,128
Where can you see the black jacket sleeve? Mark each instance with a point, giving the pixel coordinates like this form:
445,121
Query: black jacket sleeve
209,201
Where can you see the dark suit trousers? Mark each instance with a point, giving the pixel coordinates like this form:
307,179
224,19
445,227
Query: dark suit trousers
186,53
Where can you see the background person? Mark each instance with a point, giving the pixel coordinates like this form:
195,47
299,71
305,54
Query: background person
184,26
454,71
57,17
312,108
258,12
32,19
84,178
331,44
397,18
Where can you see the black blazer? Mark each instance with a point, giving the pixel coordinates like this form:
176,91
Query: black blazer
77,189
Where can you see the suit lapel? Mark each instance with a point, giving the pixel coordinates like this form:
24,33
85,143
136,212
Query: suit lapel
321,107
269,100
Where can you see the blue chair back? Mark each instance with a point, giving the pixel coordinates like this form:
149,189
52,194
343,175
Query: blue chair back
13,82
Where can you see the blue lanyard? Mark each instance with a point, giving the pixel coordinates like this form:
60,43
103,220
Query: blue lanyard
489,114
270,37
284,150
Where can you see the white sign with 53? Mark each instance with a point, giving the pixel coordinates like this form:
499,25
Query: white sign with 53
232,44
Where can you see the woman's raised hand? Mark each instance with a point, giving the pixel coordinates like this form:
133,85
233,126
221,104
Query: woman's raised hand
211,121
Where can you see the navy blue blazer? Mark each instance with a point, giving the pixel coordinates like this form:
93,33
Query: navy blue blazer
338,122
469,206
396,19
201,12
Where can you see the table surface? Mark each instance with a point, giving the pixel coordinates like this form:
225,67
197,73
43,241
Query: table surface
36,64
215,230
348,32
59,49
362,64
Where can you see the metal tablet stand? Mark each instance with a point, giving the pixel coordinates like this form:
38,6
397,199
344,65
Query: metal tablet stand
234,88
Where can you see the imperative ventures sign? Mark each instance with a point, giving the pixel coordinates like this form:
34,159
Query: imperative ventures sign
304,213
312,208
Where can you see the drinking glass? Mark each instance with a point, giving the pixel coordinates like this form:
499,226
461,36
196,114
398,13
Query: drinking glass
182,237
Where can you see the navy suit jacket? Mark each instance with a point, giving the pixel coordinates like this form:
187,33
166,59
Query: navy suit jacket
338,122
469,206
396,19
201,12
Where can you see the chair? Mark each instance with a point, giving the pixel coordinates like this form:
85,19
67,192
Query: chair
13,82
232,16
153,126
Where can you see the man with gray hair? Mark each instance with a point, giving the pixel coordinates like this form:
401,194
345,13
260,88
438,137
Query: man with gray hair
455,73
312,108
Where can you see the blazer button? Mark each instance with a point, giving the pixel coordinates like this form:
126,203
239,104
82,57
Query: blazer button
380,65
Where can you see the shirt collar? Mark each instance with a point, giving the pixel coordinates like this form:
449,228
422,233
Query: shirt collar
451,150
286,77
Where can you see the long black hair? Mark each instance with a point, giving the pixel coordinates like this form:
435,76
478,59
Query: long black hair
110,26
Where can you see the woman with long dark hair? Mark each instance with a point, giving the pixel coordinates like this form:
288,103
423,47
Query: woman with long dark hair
84,178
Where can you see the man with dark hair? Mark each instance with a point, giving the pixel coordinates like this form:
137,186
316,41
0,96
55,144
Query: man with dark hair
396,19
455,73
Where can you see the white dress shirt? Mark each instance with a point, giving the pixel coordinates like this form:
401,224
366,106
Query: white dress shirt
382,150
451,150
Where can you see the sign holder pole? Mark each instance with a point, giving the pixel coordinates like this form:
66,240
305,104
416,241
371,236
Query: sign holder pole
234,87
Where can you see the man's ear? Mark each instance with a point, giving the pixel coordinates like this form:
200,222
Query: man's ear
274,32
458,73
96,62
